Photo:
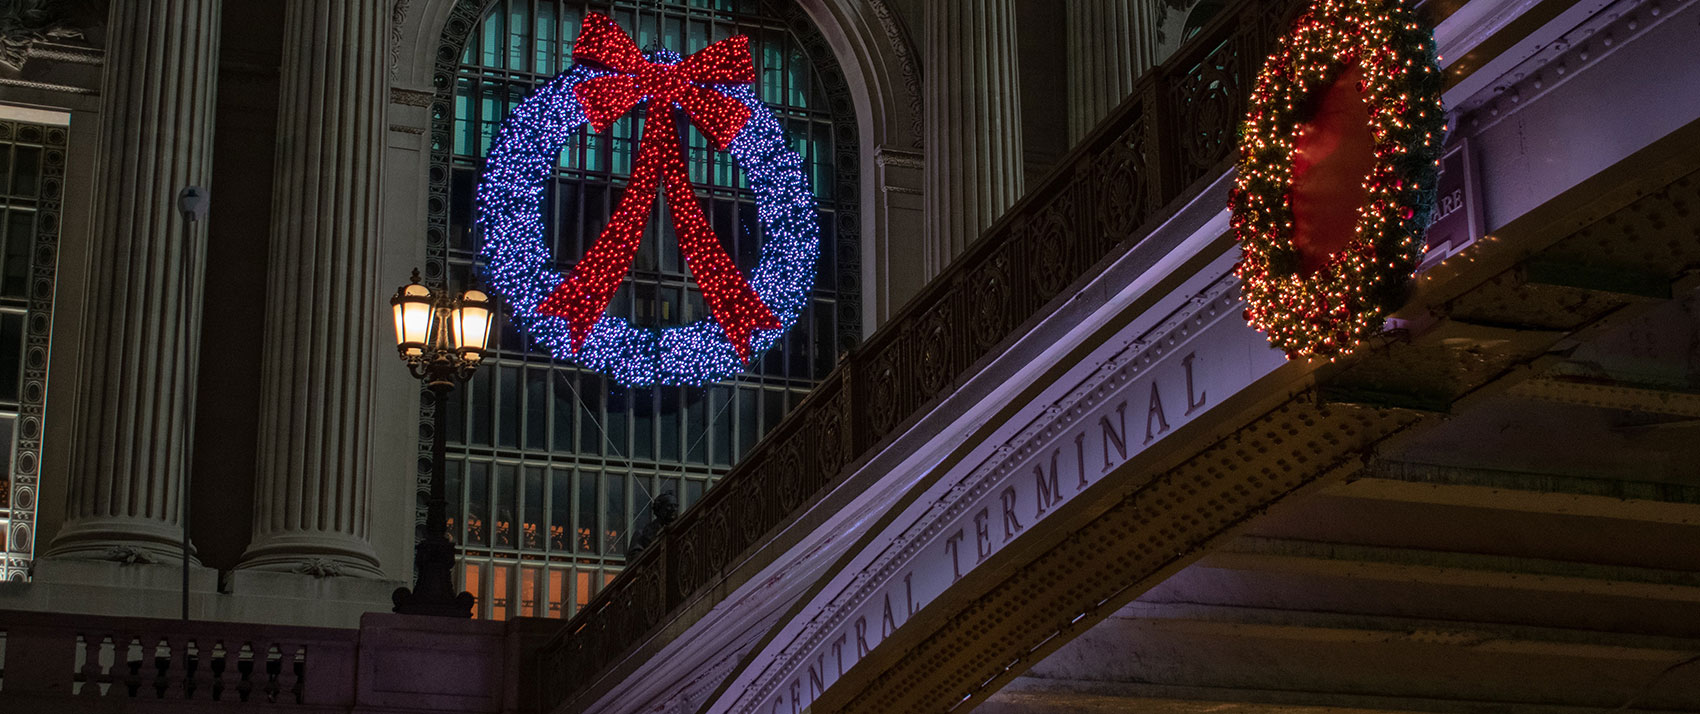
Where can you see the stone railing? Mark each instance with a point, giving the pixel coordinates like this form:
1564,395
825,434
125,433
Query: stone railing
71,664
1168,139
48,659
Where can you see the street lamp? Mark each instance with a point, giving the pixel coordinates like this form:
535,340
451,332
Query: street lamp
441,337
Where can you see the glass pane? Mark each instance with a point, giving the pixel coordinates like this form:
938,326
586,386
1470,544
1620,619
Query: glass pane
499,591
617,414
560,509
6,446
509,399
507,505
614,525
26,171
696,420
668,419
643,423
537,409
479,393
746,420
478,503
693,492
20,235
530,584
589,527
474,573
531,533
720,425
772,409
452,485
557,593
565,406
11,356
591,437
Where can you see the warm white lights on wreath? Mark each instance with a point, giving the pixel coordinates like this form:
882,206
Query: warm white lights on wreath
1325,293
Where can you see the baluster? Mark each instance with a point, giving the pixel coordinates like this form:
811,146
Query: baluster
85,677
113,651
245,671
272,661
178,672
127,661
223,670
195,676
289,680
169,658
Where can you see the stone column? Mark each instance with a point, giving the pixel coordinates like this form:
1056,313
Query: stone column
313,493
974,163
1111,43
135,403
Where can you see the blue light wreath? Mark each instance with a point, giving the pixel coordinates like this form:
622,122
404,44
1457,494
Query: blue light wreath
519,267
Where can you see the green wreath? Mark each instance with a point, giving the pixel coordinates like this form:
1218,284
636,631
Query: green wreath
1320,271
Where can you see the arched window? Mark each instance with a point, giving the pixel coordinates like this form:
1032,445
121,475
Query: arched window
552,468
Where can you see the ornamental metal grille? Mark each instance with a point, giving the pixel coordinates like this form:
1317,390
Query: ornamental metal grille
32,169
551,468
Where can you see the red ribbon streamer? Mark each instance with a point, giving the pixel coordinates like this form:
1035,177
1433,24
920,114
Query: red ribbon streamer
585,293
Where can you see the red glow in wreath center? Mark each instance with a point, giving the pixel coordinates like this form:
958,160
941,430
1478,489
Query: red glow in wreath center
1332,158
584,295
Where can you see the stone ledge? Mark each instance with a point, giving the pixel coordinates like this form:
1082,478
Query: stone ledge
154,590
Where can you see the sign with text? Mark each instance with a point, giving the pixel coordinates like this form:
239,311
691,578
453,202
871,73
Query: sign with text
1457,219
1163,380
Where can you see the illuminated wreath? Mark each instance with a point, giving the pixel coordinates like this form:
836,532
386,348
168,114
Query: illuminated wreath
567,314
1336,177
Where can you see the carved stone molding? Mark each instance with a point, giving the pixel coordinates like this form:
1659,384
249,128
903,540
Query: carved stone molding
885,156
398,16
23,23
904,48
410,98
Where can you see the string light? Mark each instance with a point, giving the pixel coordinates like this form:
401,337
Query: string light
1346,299
567,314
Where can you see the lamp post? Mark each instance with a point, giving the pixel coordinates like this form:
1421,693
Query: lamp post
441,337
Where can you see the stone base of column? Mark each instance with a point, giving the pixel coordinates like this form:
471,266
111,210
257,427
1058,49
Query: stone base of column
319,554
250,596
112,588
122,539
256,595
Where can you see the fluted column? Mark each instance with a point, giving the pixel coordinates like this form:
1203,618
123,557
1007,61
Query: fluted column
135,404
313,497
973,122
1110,44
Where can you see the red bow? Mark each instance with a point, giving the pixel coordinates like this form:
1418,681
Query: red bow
584,295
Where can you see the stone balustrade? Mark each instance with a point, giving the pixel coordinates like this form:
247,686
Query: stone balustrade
88,657
73,663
